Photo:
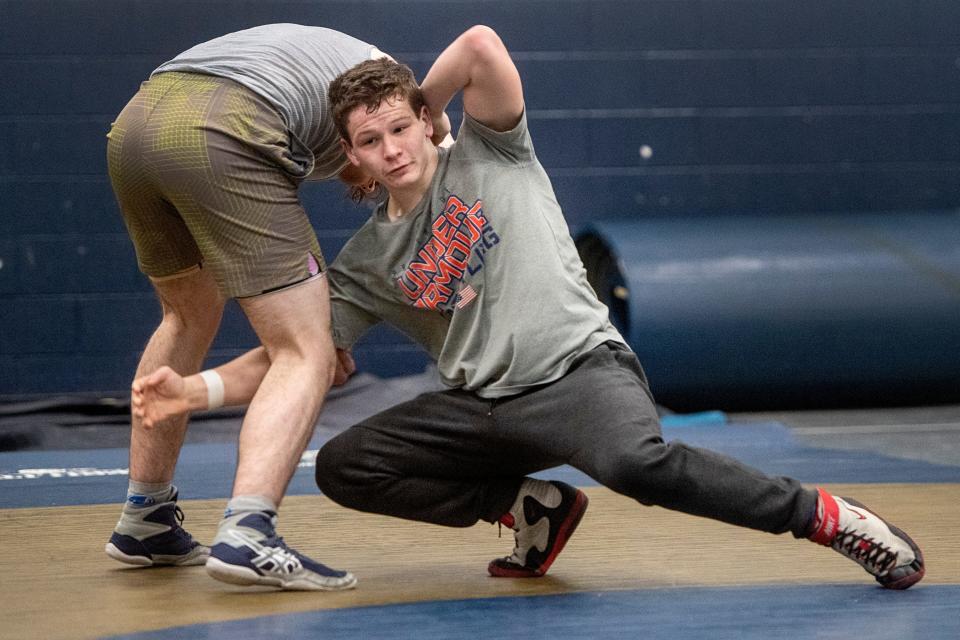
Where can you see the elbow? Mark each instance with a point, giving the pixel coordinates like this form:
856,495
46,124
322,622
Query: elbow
483,42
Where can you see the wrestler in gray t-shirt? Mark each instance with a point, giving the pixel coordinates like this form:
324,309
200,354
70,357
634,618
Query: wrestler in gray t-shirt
483,272
291,66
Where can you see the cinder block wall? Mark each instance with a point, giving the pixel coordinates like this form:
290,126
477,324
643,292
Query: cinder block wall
637,108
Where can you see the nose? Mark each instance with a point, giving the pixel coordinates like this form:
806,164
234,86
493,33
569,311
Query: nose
390,148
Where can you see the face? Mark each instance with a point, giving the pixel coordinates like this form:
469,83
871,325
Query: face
391,145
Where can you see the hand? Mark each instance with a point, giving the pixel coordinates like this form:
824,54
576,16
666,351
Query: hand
345,367
441,129
158,396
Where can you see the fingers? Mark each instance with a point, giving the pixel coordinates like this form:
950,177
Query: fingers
138,407
154,379
345,367
345,359
137,399
441,130
139,404
146,396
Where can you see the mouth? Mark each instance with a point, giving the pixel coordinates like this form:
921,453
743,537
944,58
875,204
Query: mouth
398,171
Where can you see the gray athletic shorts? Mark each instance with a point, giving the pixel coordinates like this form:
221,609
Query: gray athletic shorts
202,172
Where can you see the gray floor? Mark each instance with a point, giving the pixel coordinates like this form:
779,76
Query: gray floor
930,434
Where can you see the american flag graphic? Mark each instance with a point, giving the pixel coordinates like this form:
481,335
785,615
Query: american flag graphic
467,294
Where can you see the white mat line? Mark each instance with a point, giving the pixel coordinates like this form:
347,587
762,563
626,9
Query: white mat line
906,429
308,459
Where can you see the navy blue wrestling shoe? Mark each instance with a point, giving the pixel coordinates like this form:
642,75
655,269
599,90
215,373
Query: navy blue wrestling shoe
149,534
247,551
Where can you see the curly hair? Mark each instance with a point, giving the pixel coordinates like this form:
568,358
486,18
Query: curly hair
358,193
368,84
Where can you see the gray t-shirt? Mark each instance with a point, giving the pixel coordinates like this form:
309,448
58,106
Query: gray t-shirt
291,66
483,272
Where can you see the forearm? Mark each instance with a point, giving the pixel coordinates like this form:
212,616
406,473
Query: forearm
241,379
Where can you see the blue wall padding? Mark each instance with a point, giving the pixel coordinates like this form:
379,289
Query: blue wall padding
800,310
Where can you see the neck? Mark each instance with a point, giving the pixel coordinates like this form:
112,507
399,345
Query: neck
403,201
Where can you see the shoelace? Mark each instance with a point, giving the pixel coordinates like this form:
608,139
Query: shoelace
277,542
516,540
866,552
179,531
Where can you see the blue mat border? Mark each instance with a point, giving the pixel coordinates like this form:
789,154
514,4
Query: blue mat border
797,612
205,471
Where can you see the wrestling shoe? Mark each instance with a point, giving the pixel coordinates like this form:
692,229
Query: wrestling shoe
543,518
884,551
247,551
149,534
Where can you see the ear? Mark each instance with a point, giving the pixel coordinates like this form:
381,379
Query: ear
348,151
427,120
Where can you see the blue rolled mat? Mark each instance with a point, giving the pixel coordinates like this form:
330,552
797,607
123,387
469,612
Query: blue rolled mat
751,312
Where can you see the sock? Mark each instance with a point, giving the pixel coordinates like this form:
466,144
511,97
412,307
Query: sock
141,496
145,494
239,508
248,504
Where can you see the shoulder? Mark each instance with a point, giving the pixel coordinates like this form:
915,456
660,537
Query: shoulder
513,144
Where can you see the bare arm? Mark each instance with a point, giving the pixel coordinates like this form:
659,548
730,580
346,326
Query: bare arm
165,393
478,64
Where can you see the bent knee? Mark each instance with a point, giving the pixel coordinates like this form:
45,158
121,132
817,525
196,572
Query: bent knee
315,363
201,322
190,297
327,467
336,472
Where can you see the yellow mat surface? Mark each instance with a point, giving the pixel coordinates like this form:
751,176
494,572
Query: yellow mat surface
58,583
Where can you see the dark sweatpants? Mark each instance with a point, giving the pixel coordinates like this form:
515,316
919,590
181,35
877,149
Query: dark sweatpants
453,458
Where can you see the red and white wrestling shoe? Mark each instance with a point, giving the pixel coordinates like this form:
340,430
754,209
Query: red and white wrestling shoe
886,552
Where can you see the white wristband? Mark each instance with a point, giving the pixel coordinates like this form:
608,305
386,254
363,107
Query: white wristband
214,388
